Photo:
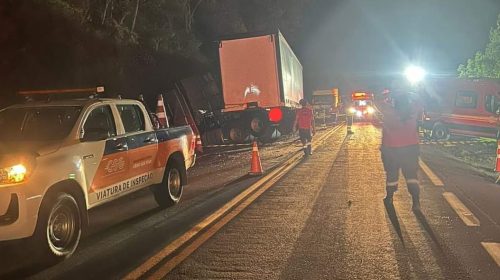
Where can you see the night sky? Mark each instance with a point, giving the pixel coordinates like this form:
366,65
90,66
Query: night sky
358,43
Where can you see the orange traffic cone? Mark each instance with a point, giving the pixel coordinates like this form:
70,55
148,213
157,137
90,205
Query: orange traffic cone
256,168
160,112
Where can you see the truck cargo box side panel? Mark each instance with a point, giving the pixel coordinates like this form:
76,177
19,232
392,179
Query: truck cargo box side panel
201,92
291,74
249,72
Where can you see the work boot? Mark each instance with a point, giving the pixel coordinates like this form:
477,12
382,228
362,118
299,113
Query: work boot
414,190
415,207
390,190
309,150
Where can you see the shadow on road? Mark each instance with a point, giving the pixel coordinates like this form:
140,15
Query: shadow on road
24,273
410,263
425,225
393,217
448,262
19,260
409,260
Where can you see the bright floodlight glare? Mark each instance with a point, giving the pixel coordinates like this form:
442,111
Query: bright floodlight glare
414,74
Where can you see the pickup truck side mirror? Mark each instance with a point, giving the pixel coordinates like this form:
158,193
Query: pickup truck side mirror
95,134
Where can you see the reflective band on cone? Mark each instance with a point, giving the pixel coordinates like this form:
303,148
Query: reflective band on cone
256,168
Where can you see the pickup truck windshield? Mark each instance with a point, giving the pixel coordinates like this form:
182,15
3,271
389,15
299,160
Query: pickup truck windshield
37,124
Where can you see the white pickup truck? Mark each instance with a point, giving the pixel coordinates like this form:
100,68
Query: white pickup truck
59,159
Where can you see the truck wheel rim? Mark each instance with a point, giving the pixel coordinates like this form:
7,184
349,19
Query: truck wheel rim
238,135
174,183
440,133
61,227
256,125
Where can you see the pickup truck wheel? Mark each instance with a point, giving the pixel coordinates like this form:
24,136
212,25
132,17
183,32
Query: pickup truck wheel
59,227
169,192
440,132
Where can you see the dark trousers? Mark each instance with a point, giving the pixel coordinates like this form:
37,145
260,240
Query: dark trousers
404,159
306,138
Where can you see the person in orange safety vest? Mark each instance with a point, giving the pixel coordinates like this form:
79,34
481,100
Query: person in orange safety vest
400,142
304,122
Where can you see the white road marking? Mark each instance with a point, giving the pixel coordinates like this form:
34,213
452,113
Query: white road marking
493,249
163,270
462,211
253,190
433,177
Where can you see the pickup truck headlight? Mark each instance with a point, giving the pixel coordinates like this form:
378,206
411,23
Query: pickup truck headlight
13,174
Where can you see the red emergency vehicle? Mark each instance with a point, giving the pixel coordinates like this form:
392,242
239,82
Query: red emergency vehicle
461,106
361,106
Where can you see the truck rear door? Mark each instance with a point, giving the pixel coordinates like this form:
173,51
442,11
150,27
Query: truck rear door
249,70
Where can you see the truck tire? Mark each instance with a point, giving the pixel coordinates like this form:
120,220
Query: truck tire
440,132
258,125
59,227
213,137
272,134
238,135
169,191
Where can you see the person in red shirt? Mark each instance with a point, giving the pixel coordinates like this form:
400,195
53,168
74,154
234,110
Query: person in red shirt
400,142
304,122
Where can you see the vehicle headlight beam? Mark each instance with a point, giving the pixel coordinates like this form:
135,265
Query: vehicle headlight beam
13,174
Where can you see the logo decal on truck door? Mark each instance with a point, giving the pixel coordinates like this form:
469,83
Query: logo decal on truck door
115,165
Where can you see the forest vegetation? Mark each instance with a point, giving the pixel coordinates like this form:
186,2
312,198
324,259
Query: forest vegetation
130,46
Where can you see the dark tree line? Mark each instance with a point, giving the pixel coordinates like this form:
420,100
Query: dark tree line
130,46
485,64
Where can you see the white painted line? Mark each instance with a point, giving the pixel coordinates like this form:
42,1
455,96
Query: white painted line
433,177
493,249
268,179
163,270
462,211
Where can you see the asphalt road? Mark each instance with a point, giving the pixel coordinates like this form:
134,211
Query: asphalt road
134,224
326,220
323,220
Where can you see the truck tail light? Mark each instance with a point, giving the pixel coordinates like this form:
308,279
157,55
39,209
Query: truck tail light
275,115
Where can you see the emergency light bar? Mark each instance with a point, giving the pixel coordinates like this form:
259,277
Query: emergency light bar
361,96
94,90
